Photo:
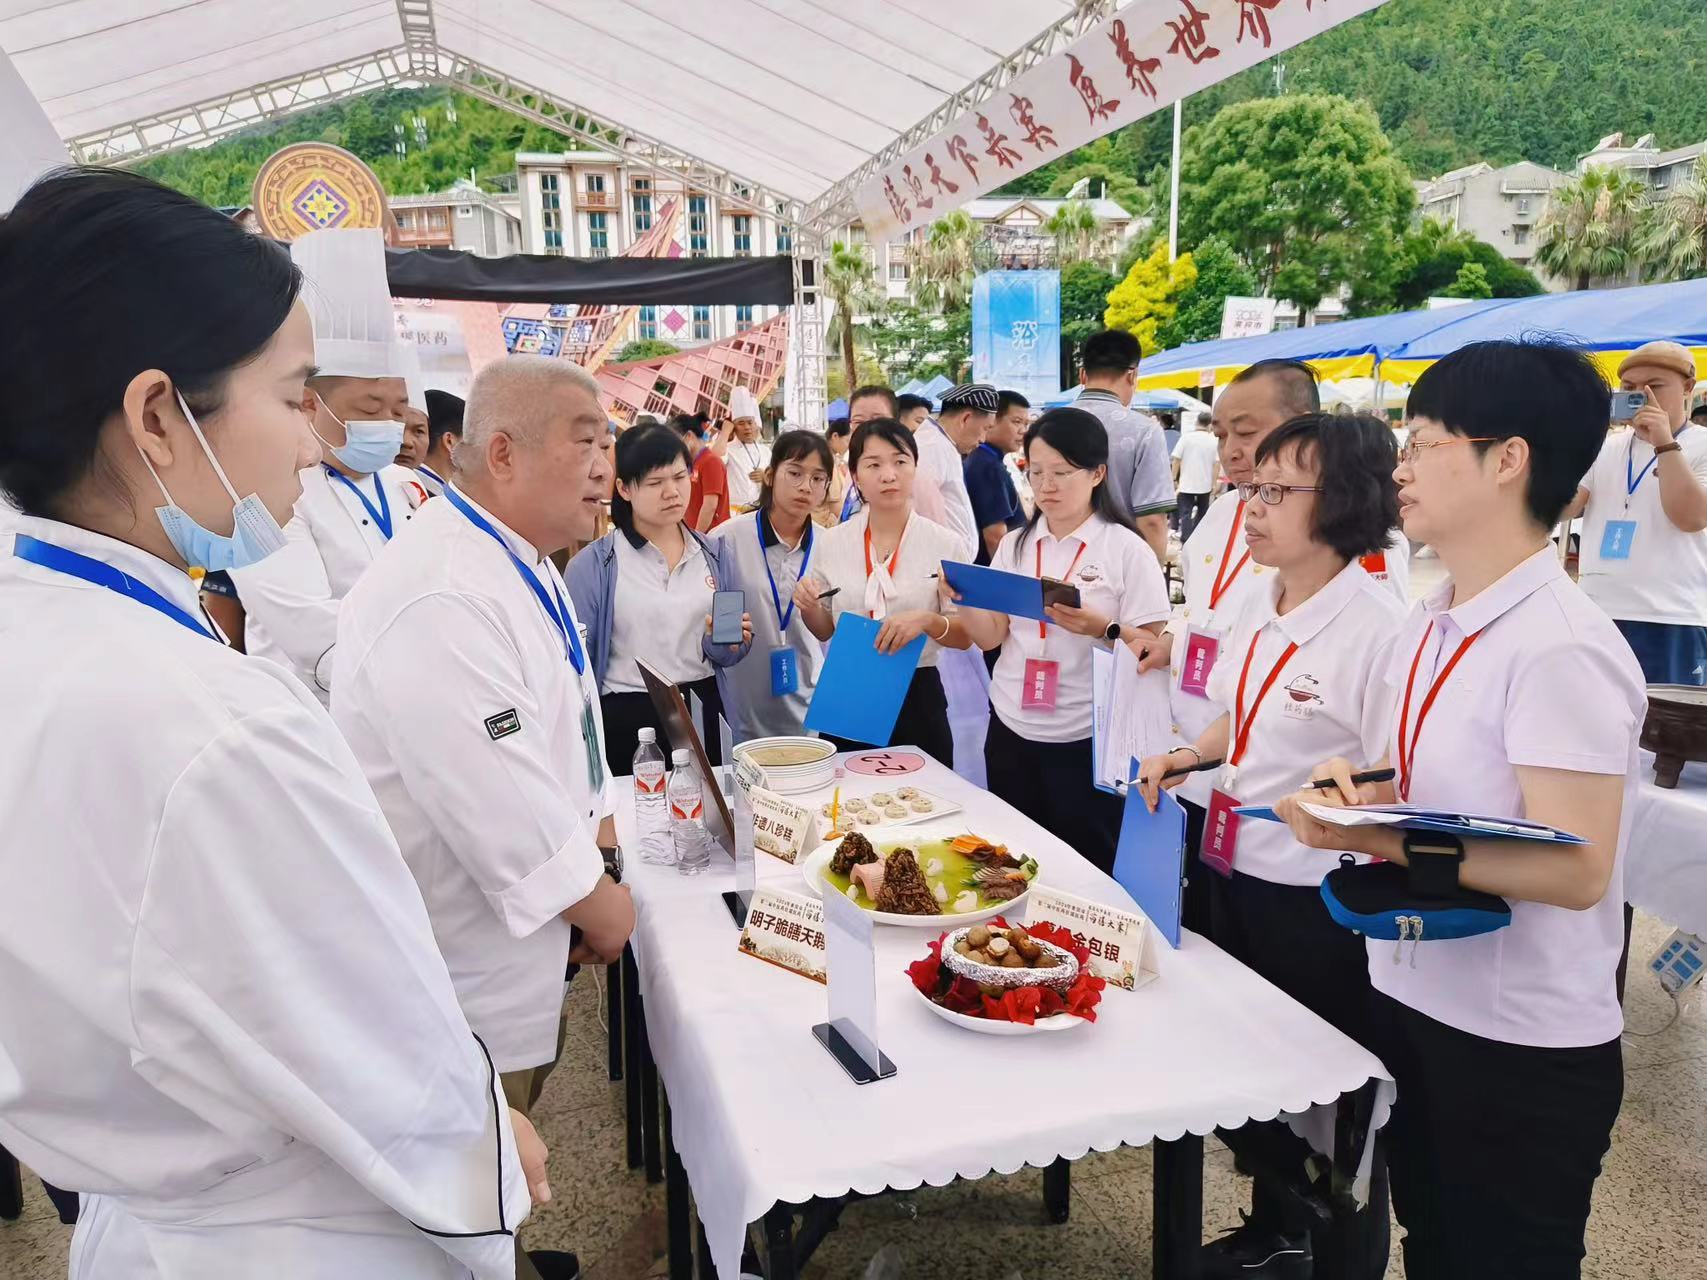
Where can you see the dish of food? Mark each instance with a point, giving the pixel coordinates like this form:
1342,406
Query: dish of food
1006,980
790,754
921,876
881,809
791,765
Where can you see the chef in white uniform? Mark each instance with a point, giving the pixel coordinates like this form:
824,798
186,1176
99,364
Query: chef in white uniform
226,1023
495,782
356,500
746,456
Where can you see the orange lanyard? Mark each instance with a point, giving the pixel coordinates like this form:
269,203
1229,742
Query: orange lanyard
1221,587
1043,627
1241,722
1408,753
894,556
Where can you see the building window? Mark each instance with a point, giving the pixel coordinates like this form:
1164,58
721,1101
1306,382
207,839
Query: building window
702,324
698,222
1520,235
641,201
743,235
598,236
743,318
856,233
596,184
784,239
553,224
648,322
548,191
898,271
1523,206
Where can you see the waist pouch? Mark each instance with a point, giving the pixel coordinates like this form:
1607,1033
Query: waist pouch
1378,901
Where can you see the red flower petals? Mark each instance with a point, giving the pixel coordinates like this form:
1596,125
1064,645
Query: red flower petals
1024,1005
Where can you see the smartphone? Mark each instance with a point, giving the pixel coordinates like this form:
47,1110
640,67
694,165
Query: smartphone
1057,592
1626,403
726,610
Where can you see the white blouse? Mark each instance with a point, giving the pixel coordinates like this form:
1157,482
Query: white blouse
912,583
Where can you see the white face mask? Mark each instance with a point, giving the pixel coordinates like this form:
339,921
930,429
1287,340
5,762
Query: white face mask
369,444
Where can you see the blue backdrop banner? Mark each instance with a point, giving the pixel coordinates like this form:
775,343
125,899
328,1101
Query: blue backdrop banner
1016,332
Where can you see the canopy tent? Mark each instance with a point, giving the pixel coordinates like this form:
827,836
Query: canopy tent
934,389
1148,401
835,409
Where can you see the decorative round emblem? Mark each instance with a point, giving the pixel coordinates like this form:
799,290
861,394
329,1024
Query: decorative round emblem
310,186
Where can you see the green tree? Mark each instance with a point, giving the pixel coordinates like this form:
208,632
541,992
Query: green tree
1431,257
1084,297
850,283
1148,297
1471,282
1594,227
1075,229
1103,180
911,342
1220,275
1675,241
944,262
644,349
1305,188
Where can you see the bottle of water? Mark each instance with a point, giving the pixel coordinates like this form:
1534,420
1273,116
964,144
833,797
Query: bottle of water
651,811
687,816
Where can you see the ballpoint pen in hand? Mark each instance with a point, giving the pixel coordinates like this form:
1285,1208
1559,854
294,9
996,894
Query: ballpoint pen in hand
1200,767
1357,779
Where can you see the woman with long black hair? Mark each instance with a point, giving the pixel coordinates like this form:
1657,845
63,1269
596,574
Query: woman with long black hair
1037,753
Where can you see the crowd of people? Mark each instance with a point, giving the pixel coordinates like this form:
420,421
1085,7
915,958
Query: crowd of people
284,941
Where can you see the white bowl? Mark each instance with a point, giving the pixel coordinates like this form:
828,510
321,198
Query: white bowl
992,1027
793,779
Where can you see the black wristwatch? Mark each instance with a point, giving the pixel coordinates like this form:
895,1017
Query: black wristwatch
1433,860
1111,633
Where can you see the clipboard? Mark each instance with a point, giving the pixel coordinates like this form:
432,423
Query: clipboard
1412,817
995,590
860,691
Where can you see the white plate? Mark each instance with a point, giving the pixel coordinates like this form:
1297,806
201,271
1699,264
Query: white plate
943,807
992,1027
795,779
812,867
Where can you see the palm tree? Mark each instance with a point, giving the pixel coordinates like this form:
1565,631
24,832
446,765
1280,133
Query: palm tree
851,285
1075,228
944,262
1676,241
1593,227
1436,237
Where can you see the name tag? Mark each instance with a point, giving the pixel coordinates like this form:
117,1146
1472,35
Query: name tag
1616,541
1201,650
1220,833
785,672
1041,679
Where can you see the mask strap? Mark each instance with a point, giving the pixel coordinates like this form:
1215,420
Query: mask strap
330,447
206,448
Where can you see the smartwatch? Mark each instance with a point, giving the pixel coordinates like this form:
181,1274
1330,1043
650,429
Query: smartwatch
1111,633
1433,860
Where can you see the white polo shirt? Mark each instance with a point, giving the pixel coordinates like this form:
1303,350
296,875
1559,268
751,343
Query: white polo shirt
1220,579
1664,577
658,613
1116,574
1329,699
1550,684
454,694
1198,455
924,546
941,461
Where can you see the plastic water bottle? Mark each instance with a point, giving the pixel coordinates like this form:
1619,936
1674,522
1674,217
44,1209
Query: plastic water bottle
651,810
687,816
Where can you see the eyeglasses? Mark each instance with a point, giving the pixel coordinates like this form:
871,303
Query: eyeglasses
1273,495
1049,479
1409,452
802,479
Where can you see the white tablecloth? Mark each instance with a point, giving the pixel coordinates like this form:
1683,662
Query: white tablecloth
761,1114
1665,864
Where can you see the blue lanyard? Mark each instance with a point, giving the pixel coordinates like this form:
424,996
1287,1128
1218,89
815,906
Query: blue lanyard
432,475
850,504
58,559
381,514
1632,481
782,619
558,612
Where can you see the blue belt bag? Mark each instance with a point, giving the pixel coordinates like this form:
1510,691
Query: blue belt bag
1380,900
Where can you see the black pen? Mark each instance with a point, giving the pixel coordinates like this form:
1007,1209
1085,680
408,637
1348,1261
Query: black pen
1199,767
1357,779
832,591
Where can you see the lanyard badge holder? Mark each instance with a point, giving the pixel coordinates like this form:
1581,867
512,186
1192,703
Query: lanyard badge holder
785,663
1619,536
1221,824
1203,644
1042,678
381,515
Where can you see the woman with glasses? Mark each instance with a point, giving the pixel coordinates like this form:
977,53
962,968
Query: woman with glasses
662,614
1038,750
885,562
767,552
1299,680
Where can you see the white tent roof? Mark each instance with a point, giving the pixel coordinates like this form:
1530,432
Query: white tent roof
791,95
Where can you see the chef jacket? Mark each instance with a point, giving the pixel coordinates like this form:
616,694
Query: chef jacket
291,598
224,1008
454,693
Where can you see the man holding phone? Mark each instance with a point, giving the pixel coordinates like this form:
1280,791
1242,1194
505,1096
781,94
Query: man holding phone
1644,503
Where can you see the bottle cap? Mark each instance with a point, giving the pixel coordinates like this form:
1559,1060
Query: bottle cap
681,757
648,735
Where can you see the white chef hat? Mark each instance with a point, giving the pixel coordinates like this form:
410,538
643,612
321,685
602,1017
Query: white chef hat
414,378
29,146
743,404
355,332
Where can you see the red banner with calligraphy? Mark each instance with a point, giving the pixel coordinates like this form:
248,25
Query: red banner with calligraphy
1148,54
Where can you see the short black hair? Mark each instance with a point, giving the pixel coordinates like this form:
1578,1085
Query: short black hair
909,402
1109,352
1078,436
689,424
1006,400
103,274
1354,455
1293,379
875,389
444,417
1699,413
837,427
795,446
1205,418
639,452
1540,390
881,429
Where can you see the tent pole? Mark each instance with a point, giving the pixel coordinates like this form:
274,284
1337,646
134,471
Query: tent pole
806,374
1173,198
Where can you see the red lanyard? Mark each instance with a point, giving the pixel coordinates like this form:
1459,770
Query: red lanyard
1221,587
893,556
1408,752
1241,722
1043,627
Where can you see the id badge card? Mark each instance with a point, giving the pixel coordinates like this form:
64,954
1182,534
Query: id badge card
1201,650
1220,833
1616,541
1041,679
785,672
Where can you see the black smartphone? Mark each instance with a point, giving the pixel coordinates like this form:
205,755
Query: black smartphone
1057,592
726,610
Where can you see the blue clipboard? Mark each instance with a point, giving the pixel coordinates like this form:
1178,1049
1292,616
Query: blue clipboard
997,590
860,691
1463,825
1149,862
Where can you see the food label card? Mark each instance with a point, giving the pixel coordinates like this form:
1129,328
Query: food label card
780,826
787,930
1120,941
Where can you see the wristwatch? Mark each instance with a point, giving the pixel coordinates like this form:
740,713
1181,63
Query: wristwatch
1111,632
1433,860
1673,447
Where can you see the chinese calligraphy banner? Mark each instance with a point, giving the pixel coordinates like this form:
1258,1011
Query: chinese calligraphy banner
1142,59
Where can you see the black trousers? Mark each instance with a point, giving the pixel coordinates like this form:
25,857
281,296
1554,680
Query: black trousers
626,714
1493,1148
1050,783
1284,933
1192,508
923,721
